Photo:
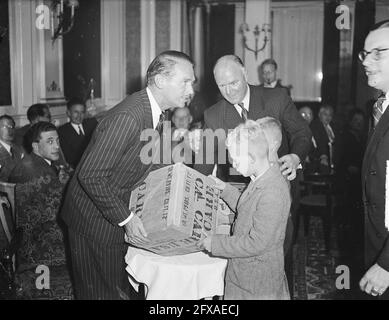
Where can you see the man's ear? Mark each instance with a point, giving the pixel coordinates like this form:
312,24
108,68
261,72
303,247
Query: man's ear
245,74
190,119
68,113
35,147
159,81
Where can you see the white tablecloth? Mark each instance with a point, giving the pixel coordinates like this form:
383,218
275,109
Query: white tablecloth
185,277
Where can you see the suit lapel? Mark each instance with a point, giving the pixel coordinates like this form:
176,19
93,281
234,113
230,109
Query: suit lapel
375,137
148,116
4,154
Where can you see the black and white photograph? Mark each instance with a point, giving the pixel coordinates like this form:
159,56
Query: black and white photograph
207,151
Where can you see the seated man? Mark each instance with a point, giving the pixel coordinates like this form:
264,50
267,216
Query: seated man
10,153
75,135
324,135
268,73
39,190
36,113
312,161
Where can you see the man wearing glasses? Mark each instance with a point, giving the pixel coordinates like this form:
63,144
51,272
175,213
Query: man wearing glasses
375,60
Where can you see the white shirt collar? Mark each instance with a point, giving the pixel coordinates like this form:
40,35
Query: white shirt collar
77,128
246,102
48,161
6,146
386,102
155,108
271,85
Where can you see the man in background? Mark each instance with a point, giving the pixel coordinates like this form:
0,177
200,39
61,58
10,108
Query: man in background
324,134
75,135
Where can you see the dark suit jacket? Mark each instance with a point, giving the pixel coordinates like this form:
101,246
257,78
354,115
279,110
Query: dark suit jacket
99,192
7,162
373,188
278,85
32,167
72,144
296,135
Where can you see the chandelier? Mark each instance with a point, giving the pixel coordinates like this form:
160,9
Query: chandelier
60,22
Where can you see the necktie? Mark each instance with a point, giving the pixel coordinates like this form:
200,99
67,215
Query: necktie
159,126
330,133
377,109
54,167
80,131
11,151
244,111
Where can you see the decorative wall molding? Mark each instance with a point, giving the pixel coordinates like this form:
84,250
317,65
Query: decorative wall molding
113,51
176,25
147,10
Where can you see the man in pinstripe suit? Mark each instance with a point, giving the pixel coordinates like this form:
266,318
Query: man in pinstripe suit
96,205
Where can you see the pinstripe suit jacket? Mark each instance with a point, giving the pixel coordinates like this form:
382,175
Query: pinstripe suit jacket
99,192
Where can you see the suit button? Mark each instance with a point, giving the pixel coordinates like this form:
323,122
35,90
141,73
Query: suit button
373,172
378,235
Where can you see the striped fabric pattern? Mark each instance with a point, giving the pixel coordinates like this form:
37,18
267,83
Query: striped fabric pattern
98,196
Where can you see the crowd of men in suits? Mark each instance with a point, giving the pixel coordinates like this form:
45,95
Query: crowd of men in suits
103,165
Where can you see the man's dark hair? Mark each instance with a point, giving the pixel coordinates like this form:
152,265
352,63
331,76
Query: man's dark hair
7,117
36,110
73,101
380,25
269,61
34,133
164,63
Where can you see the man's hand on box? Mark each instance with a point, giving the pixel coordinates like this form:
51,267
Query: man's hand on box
135,231
205,244
217,183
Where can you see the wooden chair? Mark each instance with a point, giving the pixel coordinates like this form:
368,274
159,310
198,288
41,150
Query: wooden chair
8,190
317,199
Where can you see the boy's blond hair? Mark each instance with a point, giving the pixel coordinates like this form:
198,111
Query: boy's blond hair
249,132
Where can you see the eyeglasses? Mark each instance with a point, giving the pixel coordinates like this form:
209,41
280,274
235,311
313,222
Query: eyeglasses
376,54
8,126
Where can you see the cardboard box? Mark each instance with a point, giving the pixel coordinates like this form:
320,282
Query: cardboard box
178,207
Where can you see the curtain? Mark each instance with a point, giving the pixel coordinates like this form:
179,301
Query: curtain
329,87
298,47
